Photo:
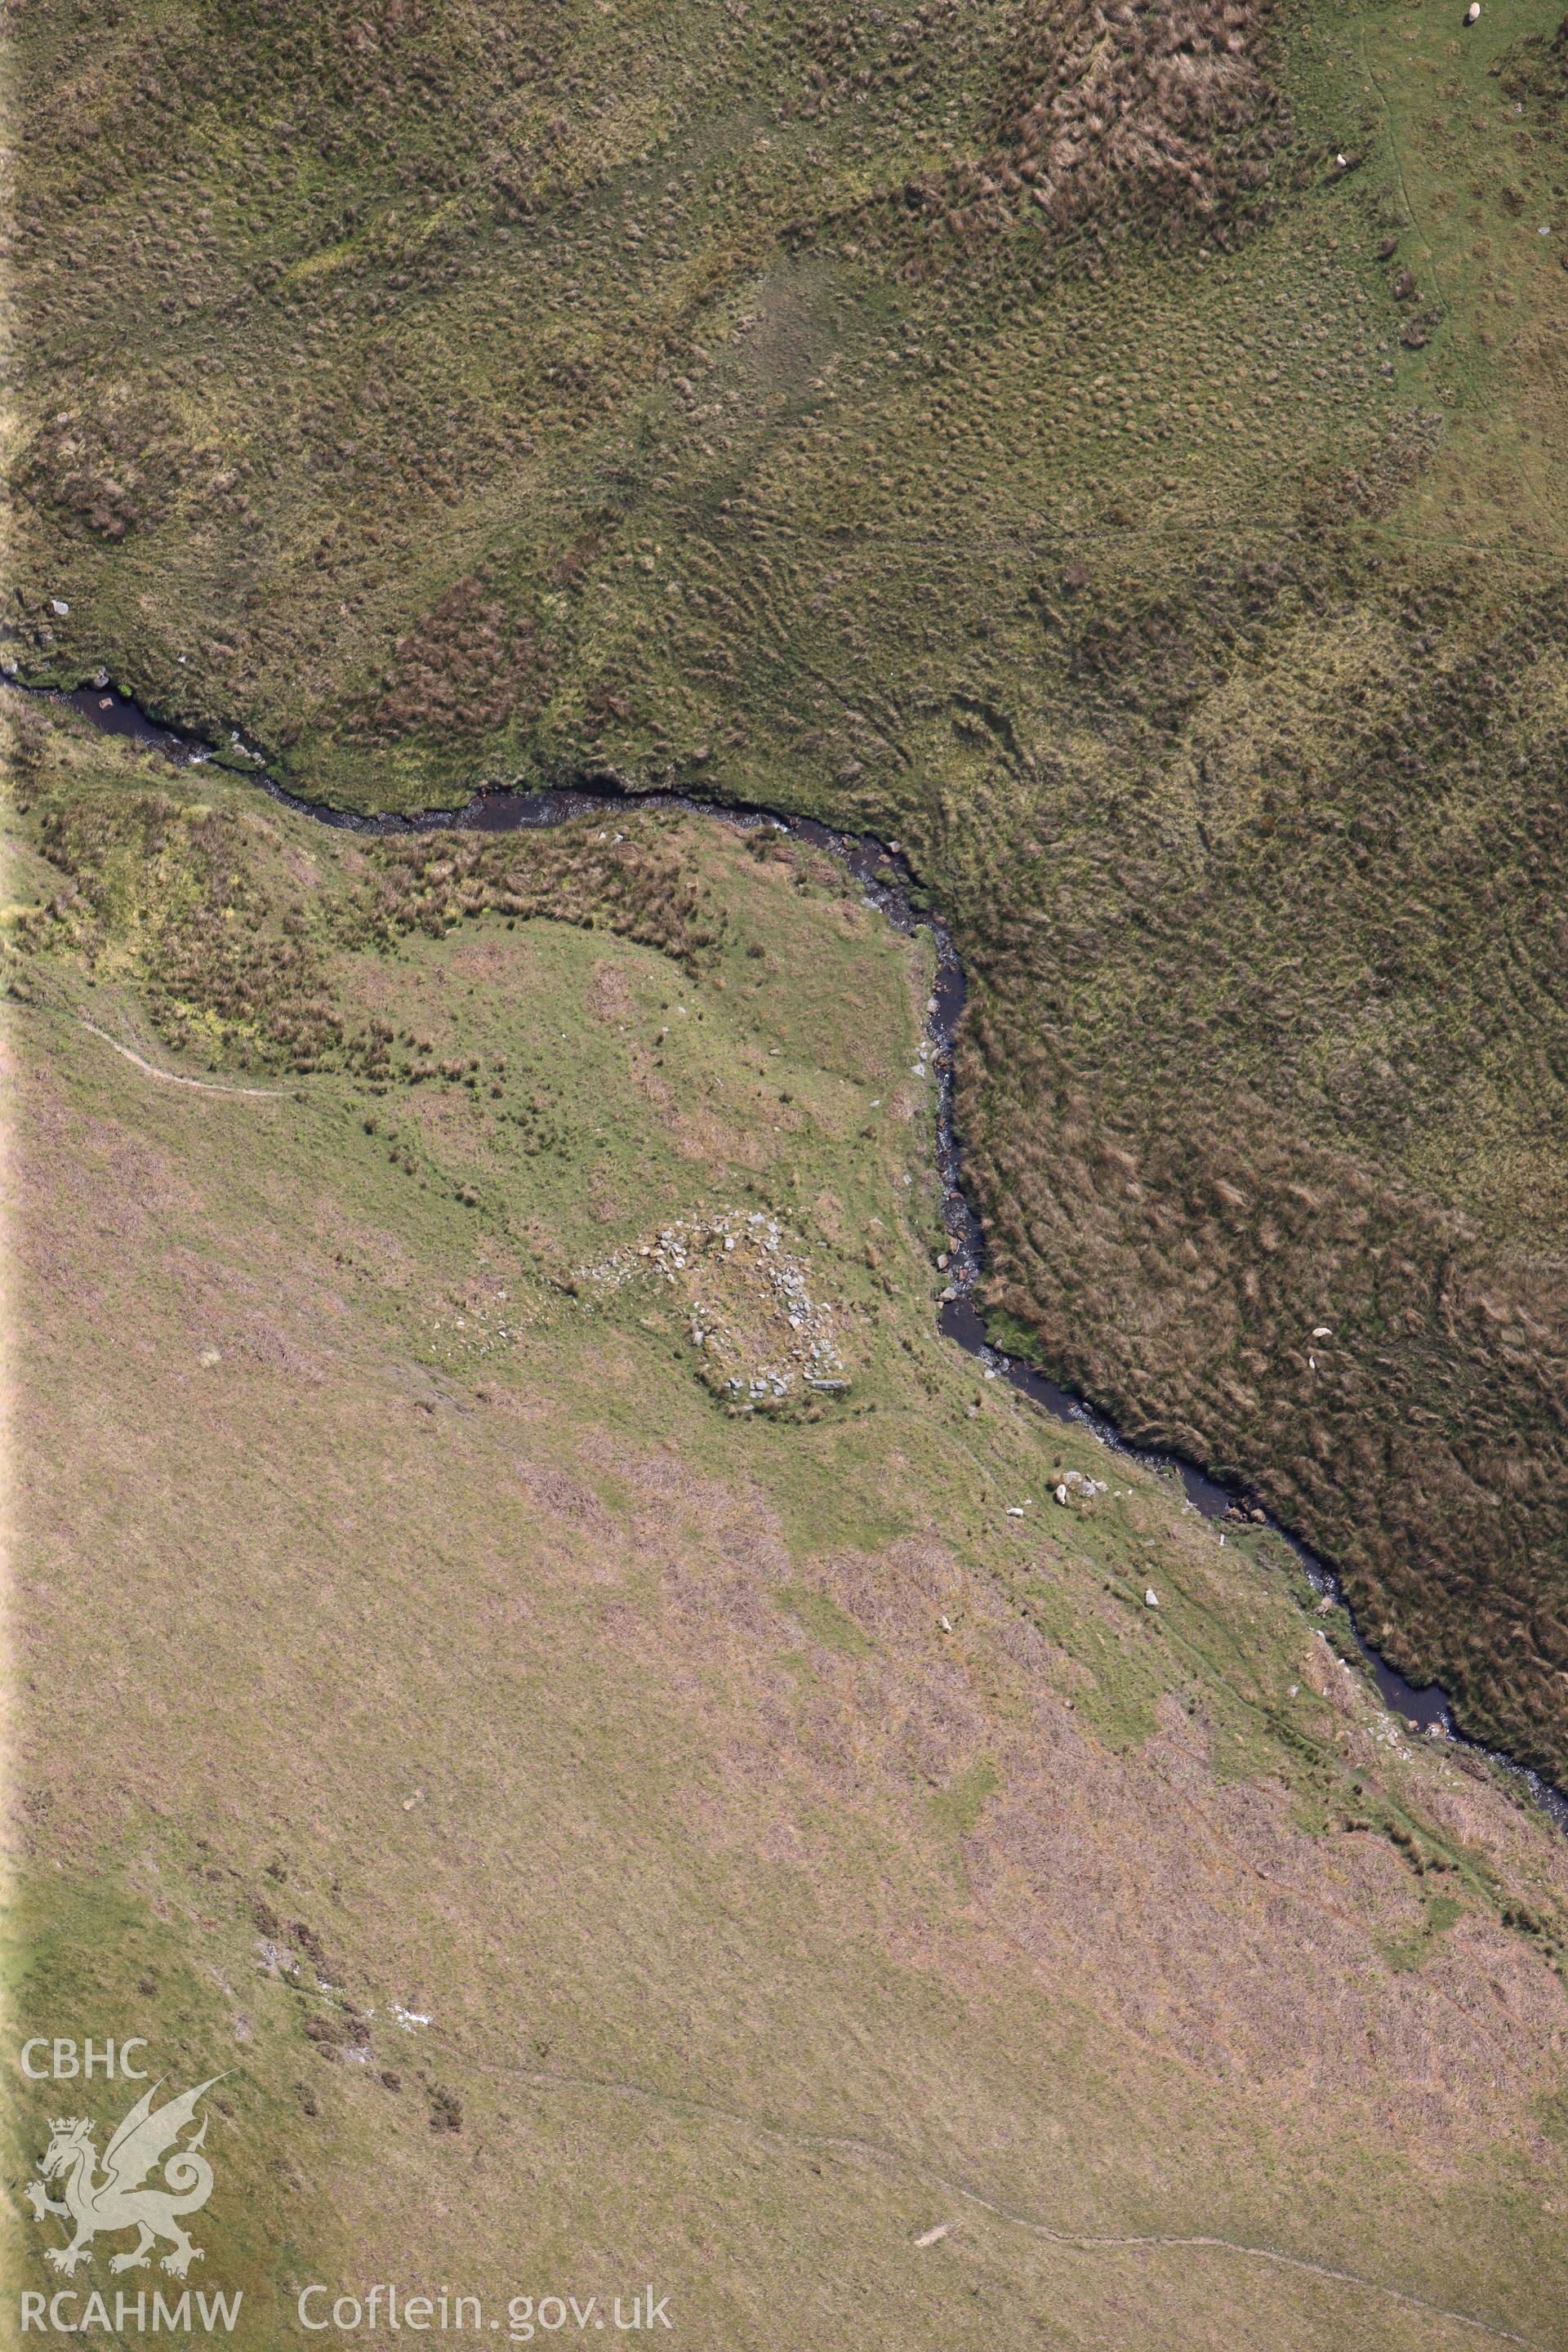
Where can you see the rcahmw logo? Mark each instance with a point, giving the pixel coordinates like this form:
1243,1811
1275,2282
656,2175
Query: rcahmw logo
122,2191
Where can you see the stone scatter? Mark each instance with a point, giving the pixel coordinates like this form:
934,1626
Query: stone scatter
760,1338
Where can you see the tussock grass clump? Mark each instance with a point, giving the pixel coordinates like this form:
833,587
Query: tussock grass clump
1264,1122
112,467
1128,114
234,952
637,887
1537,68
168,890
467,667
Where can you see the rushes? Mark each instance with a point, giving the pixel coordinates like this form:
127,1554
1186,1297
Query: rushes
465,668
636,886
235,954
1162,118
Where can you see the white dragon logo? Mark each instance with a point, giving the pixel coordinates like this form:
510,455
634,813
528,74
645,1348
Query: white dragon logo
119,2200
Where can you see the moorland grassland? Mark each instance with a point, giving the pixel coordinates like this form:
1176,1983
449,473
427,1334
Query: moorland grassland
607,1832
1116,452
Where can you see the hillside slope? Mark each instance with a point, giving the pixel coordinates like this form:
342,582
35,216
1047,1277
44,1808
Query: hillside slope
1124,466
613,1836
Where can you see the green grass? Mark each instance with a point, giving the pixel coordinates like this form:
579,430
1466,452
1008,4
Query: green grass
819,1615
958,1809
88,1960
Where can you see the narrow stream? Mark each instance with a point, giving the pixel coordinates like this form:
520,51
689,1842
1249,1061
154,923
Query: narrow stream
887,882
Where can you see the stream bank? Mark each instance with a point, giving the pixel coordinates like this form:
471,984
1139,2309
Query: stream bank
887,882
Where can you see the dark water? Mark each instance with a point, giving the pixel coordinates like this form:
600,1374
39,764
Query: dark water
117,716
960,1319
887,882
